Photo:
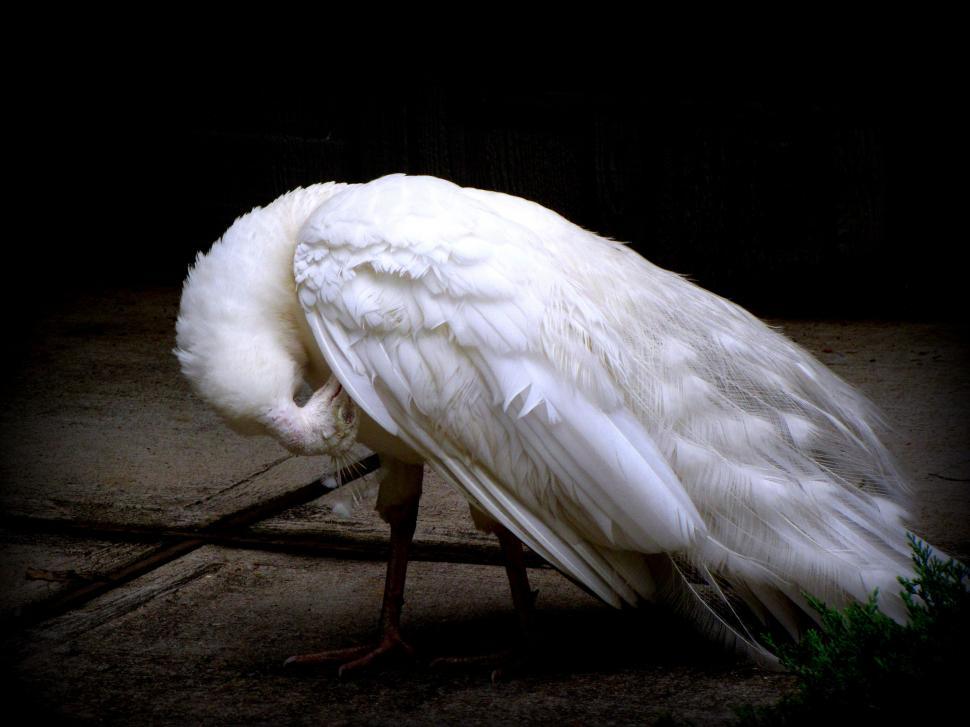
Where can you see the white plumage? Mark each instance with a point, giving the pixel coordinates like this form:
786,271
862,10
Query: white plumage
651,440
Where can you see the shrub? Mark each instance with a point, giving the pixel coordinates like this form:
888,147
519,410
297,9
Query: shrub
860,664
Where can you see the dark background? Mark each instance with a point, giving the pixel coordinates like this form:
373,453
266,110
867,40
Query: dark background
819,199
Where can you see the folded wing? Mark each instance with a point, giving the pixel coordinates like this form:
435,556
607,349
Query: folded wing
645,436
458,331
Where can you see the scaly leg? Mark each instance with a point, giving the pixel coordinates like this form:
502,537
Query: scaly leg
523,598
397,504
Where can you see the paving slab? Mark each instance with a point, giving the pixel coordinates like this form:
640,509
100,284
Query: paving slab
35,567
99,425
202,640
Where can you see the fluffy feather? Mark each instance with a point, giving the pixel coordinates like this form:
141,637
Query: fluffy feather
240,336
648,438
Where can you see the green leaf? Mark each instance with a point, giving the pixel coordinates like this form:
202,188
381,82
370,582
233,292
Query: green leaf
860,664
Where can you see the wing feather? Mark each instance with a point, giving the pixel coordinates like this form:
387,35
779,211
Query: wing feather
491,403
603,413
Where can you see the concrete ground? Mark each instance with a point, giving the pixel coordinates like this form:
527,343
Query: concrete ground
158,569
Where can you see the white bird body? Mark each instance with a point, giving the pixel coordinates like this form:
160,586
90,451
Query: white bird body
648,438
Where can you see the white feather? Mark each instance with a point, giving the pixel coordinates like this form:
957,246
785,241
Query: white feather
648,438
675,421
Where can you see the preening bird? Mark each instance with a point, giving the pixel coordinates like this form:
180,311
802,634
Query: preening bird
649,439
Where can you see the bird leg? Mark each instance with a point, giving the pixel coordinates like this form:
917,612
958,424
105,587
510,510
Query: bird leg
397,504
523,599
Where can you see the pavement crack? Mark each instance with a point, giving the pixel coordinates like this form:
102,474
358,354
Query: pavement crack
244,481
174,545
72,624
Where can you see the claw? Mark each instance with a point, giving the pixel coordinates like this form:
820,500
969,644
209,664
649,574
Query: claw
354,659
385,649
334,656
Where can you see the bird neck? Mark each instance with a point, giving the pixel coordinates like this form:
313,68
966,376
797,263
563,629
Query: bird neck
241,336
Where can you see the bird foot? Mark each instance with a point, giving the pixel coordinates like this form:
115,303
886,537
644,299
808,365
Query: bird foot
357,658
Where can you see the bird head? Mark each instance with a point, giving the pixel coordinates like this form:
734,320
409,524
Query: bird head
325,424
243,342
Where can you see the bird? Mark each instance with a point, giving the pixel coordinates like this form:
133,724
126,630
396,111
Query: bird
651,440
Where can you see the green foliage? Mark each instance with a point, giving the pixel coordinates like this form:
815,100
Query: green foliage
862,665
